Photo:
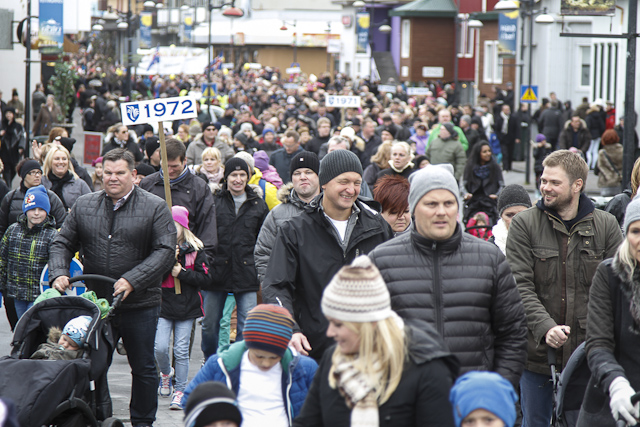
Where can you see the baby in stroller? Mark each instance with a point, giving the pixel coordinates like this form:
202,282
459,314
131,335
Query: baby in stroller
65,344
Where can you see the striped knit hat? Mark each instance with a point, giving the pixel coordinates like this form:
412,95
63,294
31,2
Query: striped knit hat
357,293
268,328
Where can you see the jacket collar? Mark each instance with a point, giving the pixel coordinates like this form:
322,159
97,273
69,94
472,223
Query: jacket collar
449,245
585,207
231,356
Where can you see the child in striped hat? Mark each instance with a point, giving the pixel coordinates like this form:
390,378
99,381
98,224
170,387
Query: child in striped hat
261,368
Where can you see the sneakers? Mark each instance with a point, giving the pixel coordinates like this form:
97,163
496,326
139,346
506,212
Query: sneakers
176,402
165,388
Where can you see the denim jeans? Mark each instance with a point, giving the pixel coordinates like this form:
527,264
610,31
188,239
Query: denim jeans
138,331
536,394
181,338
22,306
213,309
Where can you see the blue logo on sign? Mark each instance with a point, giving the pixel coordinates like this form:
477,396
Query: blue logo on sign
133,112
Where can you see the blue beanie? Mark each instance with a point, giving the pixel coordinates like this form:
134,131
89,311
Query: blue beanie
77,328
36,197
483,390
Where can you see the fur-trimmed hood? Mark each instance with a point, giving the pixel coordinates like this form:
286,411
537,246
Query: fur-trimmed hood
284,193
54,335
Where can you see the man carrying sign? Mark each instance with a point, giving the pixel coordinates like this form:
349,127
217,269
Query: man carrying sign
128,234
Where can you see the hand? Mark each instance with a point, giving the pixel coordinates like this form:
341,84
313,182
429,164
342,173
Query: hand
20,151
61,284
122,285
620,392
493,196
300,343
176,269
2,132
468,196
557,336
177,251
36,150
517,141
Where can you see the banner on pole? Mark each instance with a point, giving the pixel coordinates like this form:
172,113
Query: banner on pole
159,110
146,21
362,32
507,33
587,7
50,34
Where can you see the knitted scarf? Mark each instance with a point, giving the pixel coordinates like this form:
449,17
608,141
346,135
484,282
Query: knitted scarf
359,391
213,177
58,183
182,176
483,171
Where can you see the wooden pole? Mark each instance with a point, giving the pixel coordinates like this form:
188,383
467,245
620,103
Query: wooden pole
167,186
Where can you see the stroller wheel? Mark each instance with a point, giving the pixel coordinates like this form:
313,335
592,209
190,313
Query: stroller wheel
112,422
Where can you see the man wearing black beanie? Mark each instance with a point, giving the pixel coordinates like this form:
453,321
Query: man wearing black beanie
309,249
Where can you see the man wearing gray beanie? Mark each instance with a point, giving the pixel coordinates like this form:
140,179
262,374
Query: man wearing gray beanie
458,283
310,248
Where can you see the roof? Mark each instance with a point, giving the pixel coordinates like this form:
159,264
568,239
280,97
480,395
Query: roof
426,8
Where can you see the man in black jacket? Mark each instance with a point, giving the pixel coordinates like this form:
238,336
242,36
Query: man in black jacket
461,285
189,191
310,248
127,234
240,213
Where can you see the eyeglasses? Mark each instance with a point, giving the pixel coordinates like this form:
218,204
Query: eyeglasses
35,173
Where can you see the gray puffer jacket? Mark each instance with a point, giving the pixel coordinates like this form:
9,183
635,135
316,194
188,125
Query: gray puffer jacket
290,206
462,286
137,242
70,190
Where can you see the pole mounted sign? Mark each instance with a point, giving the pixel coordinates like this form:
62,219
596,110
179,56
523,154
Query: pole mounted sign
160,110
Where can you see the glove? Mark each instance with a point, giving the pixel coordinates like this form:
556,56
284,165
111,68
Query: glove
620,392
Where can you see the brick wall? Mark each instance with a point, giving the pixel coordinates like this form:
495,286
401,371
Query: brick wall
432,45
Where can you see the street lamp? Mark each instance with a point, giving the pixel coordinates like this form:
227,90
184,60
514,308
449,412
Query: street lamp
542,17
295,37
473,24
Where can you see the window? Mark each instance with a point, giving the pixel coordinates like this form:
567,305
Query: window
492,64
405,43
465,37
585,65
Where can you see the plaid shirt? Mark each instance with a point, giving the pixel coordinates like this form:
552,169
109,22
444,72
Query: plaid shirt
23,254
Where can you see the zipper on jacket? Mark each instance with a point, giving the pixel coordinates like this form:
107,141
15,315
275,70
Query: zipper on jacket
225,372
437,280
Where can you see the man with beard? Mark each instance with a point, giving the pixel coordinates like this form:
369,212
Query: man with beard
554,249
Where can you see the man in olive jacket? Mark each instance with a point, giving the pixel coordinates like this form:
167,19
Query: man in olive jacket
554,249
127,234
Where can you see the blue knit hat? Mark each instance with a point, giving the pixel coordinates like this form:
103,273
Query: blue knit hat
77,328
36,197
483,390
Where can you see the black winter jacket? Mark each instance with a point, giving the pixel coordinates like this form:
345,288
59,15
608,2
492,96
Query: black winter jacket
234,269
11,208
137,242
420,400
305,257
613,338
187,304
192,193
463,286
618,205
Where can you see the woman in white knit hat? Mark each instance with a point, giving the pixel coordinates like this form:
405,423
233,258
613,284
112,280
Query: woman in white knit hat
381,371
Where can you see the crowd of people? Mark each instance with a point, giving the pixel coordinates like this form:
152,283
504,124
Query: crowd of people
360,297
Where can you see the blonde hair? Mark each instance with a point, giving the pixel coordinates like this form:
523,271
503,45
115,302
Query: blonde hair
383,155
635,178
625,255
209,152
53,149
381,342
190,238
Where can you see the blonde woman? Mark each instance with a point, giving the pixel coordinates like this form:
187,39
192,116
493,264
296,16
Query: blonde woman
60,177
400,162
381,371
211,168
379,162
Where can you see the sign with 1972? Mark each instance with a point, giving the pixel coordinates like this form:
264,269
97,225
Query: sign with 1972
339,101
159,110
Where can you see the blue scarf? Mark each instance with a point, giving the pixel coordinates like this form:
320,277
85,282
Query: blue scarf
178,179
482,172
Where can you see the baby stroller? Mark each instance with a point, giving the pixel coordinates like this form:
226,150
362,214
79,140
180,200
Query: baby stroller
483,207
569,387
61,392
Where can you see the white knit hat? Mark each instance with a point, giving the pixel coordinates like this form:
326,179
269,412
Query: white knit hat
357,293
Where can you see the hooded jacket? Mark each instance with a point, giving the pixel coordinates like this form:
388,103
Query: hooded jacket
233,269
193,277
553,267
269,192
464,288
297,374
307,253
291,206
565,140
420,399
130,145
197,146
610,167
136,242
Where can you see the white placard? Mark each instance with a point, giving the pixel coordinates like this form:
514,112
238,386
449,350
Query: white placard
228,65
156,110
293,70
387,88
291,85
418,91
333,46
342,101
432,71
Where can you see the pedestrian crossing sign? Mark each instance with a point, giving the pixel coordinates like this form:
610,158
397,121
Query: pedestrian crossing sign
528,93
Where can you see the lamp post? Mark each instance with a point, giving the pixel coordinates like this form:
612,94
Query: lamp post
295,37
542,17
473,24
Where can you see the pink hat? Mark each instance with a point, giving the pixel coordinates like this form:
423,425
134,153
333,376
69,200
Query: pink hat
181,216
